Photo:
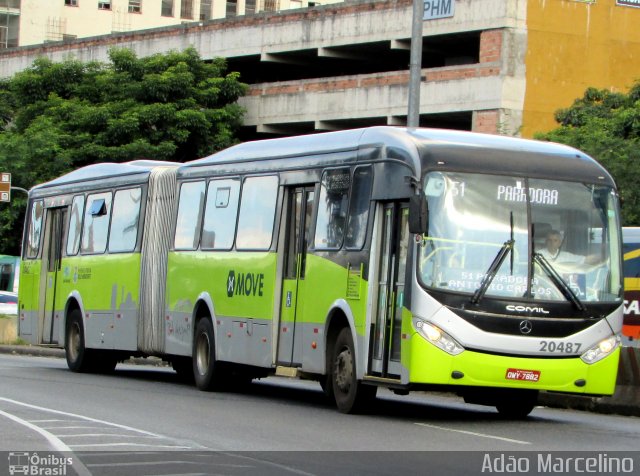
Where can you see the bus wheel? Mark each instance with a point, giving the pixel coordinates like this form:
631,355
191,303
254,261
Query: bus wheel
326,383
184,368
518,408
514,411
103,362
351,396
205,370
77,355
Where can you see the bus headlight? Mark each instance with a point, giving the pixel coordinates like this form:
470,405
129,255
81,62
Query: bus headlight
437,337
601,350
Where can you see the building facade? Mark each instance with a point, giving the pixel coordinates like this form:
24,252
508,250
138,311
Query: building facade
497,66
32,22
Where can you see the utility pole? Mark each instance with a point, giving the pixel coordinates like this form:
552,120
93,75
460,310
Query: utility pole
423,10
415,65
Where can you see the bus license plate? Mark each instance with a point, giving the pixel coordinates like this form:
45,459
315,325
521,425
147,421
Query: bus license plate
526,375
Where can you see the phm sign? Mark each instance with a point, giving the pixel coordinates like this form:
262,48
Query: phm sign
434,9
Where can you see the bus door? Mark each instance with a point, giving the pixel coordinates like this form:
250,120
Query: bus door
391,258
299,210
52,258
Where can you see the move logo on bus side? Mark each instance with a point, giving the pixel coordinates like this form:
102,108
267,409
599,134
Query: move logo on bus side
245,284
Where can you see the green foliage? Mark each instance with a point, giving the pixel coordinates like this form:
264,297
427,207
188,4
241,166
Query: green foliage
56,117
606,125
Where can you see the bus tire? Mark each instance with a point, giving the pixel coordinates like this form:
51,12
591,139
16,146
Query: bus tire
78,357
351,396
105,361
326,383
184,369
206,372
514,411
518,408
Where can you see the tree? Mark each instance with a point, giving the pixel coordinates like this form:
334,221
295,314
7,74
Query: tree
606,125
56,117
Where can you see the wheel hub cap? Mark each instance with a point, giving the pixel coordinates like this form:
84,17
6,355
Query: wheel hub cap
344,370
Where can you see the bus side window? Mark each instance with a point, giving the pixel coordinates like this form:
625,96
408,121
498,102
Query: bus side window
359,207
189,215
35,229
75,225
257,213
332,208
221,212
124,224
96,223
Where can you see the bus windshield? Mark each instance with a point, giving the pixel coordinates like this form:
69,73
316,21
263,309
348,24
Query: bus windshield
524,238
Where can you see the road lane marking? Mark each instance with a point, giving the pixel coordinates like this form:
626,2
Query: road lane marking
81,417
95,445
49,421
284,467
54,441
103,422
473,433
84,435
72,427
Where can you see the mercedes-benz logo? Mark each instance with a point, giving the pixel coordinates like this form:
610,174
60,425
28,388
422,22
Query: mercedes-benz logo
526,327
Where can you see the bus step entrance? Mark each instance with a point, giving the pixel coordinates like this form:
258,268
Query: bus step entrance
291,372
382,380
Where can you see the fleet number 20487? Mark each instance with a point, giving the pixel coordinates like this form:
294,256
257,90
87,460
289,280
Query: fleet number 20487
560,347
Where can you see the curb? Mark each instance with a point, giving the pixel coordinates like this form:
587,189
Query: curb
33,350
56,352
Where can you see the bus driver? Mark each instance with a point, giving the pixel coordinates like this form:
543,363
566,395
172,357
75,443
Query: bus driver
554,254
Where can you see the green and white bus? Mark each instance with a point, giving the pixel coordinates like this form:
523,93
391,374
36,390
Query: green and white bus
411,259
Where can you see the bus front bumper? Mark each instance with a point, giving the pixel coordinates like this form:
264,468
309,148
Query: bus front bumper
431,365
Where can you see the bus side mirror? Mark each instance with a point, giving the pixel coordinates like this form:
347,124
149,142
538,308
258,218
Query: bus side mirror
418,214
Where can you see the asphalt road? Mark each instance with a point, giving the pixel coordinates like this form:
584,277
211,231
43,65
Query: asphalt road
143,420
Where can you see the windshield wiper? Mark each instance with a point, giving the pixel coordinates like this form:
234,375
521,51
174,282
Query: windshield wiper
557,280
493,269
495,266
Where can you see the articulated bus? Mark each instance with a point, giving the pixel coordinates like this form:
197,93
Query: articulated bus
412,259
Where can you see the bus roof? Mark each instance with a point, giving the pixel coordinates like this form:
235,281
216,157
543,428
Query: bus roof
424,148
435,149
104,172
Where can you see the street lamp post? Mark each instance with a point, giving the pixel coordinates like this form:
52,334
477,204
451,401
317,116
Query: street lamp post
20,189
